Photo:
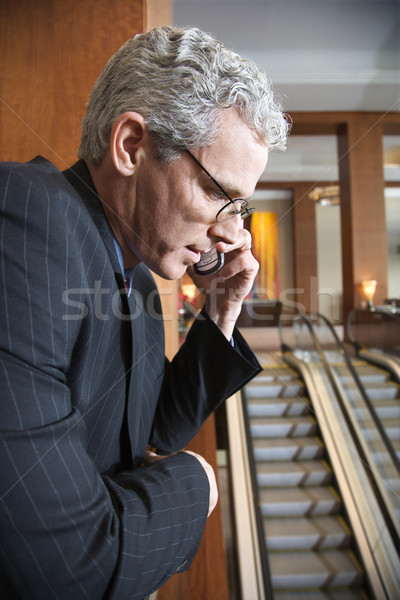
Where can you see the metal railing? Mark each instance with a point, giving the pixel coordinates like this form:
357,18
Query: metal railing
375,335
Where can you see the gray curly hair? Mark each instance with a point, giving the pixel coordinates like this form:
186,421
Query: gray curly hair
179,80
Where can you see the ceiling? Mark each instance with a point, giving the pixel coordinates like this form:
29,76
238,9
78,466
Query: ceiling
321,55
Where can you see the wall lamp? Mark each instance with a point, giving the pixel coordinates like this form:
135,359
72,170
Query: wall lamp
369,287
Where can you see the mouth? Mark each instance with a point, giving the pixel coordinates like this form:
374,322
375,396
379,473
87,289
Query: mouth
195,254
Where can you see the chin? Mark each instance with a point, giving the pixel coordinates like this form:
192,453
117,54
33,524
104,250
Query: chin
169,271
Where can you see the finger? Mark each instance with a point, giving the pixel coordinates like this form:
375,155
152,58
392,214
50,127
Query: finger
152,457
243,242
240,260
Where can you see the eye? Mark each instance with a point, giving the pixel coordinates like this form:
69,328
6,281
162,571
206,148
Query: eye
217,196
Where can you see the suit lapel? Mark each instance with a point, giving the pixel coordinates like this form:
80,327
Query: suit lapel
79,177
132,322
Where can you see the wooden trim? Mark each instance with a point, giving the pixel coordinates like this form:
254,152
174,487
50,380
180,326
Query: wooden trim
290,185
157,13
326,123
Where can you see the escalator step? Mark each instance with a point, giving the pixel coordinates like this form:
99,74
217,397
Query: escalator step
293,502
375,391
384,408
327,569
293,427
337,594
306,534
276,374
368,374
277,407
273,389
302,448
379,452
391,426
291,474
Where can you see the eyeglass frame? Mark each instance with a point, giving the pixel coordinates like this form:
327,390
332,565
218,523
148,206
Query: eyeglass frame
244,211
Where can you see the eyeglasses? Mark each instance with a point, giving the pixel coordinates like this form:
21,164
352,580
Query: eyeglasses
233,207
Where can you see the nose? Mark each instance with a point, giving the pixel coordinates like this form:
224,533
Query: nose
227,231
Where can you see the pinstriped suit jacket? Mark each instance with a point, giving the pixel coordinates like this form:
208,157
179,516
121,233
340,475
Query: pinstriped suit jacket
84,388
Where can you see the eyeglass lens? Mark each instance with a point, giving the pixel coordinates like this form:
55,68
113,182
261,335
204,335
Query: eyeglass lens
236,207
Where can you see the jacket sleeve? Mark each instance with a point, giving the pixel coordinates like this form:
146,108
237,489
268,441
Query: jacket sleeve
67,530
206,370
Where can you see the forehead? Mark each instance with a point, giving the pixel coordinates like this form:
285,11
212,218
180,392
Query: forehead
236,159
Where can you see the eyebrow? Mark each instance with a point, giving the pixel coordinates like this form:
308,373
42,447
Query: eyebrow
231,190
228,190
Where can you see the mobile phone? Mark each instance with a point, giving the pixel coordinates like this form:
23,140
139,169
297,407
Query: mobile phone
210,262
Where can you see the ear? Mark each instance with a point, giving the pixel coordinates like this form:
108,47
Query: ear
128,135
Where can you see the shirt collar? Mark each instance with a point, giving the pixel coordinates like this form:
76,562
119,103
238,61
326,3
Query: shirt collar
128,273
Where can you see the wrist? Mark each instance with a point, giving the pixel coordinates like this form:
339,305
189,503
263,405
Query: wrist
225,319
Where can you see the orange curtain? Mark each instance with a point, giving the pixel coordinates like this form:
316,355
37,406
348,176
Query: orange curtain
264,229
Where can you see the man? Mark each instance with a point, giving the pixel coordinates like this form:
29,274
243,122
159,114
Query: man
175,137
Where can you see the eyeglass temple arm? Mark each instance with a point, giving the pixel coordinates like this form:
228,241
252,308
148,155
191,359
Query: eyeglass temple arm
210,176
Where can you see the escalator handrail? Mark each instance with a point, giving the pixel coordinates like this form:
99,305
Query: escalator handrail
265,564
354,434
362,390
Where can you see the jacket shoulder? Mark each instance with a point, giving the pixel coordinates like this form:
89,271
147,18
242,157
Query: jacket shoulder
37,164
35,175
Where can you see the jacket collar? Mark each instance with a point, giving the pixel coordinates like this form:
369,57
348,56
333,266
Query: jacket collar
79,177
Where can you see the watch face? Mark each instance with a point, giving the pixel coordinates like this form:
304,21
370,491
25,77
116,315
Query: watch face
210,262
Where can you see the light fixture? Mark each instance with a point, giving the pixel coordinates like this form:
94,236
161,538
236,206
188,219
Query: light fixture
369,287
326,196
189,290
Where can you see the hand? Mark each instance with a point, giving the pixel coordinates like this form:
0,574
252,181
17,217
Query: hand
226,289
151,457
211,480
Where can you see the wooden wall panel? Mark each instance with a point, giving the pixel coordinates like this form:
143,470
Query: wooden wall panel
305,248
51,53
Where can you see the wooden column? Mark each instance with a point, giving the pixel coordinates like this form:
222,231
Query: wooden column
364,239
305,248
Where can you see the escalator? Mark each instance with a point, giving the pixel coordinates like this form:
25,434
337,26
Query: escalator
372,400
384,395
309,542
325,511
